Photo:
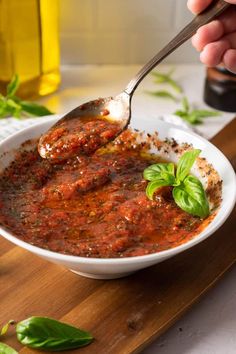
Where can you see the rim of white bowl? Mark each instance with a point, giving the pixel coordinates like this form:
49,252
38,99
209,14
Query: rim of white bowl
209,230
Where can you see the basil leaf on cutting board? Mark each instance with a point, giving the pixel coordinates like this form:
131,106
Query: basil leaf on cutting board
6,349
48,334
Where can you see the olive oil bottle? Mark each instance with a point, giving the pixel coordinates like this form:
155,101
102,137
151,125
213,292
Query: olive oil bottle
29,45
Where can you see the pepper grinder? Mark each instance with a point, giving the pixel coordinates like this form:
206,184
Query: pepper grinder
220,89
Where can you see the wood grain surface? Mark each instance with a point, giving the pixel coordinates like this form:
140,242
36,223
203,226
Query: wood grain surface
124,315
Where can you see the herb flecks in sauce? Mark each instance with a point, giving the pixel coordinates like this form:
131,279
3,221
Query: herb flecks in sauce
94,206
77,136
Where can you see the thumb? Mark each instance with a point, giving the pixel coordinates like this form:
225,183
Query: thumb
197,6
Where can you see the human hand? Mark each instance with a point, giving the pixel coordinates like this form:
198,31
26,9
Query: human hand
217,40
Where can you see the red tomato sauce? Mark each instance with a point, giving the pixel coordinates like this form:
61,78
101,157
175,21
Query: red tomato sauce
91,206
77,136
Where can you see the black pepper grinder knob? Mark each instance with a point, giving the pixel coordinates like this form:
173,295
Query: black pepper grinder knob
220,89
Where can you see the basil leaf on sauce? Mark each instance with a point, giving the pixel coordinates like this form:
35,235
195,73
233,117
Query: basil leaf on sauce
185,163
155,171
48,334
6,349
191,197
188,191
153,186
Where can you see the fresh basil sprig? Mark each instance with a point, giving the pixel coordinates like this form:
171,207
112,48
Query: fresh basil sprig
48,334
6,349
162,78
167,80
188,191
194,116
11,105
162,94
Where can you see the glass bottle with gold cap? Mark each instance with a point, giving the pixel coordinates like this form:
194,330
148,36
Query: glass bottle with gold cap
29,45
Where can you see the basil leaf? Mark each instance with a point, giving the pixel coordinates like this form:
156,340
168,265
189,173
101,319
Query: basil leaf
48,334
175,85
193,119
185,163
13,85
14,108
6,349
181,114
3,108
162,94
185,105
34,108
202,113
161,78
153,172
190,196
153,186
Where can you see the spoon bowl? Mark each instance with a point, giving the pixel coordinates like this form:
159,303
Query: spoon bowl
86,128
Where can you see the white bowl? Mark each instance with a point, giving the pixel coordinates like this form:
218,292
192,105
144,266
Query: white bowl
118,267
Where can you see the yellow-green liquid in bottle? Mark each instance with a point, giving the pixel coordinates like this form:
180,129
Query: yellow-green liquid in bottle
29,45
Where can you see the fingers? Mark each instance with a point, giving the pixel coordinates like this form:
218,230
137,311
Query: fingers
229,60
223,50
197,6
213,53
207,34
231,1
229,57
215,30
228,19
217,40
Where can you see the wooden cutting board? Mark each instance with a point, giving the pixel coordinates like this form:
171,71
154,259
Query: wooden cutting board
124,315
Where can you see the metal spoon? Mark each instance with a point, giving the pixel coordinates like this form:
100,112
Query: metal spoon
115,110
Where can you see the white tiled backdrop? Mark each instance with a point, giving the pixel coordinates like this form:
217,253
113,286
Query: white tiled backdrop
121,31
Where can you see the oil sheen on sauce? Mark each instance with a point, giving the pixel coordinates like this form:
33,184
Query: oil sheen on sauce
77,136
91,206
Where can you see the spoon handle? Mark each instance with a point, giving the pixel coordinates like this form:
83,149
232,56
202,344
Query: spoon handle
212,11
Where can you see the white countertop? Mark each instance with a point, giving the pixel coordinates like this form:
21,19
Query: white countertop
210,326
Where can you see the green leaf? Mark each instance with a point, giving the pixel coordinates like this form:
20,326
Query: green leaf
162,94
5,328
35,109
6,349
190,196
185,163
195,116
155,171
175,85
185,105
153,186
14,108
13,85
203,113
161,78
3,108
181,114
48,334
